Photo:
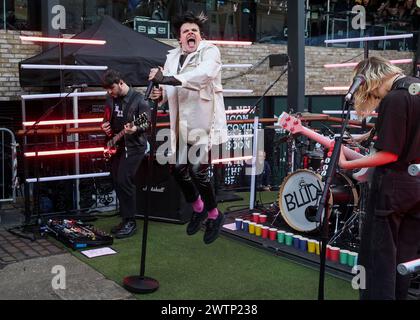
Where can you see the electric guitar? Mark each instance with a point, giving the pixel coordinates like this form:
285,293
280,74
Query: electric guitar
111,148
294,125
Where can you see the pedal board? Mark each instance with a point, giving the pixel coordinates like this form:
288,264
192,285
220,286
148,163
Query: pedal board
76,234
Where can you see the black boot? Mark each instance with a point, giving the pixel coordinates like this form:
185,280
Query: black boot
213,227
195,223
128,229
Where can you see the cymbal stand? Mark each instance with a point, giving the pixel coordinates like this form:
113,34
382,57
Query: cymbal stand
291,150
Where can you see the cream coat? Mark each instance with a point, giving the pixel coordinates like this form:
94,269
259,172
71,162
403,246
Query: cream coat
199,99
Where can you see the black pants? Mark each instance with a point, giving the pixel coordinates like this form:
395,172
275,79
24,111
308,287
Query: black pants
123,175
390,234
195,180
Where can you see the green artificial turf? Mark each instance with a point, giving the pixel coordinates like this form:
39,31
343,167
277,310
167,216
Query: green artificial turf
227,269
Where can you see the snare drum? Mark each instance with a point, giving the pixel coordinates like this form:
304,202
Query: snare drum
300,192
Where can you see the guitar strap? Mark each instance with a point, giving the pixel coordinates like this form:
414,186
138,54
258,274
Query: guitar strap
405,83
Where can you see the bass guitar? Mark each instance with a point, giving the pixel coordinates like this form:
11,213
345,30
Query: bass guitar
294,126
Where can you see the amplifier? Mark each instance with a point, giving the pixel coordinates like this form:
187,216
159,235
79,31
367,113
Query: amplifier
167,201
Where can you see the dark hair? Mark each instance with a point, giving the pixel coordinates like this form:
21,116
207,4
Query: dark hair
111,77
188,17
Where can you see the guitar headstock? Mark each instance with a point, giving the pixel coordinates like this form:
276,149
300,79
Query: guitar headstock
142,122
290,123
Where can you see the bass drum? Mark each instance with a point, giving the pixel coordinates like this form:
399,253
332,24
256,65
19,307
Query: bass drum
300,193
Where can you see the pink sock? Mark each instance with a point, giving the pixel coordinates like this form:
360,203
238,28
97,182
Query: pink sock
198,205
213,214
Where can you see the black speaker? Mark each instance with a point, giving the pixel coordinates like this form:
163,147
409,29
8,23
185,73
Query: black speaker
167,201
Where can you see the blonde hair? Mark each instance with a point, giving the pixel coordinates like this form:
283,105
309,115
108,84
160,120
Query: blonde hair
376,70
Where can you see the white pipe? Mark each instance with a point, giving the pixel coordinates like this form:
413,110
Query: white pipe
237,91
353,64
62,95
80,176
414,170
254,165
337,112
227,160
77,156
63,122
62,40
245,65
397,36
239,111
336,88
244,136
409,267
61,67
233,43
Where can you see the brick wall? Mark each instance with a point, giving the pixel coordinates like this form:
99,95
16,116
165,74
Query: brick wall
316,76
12,51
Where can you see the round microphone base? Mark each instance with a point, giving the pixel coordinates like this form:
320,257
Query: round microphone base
138,284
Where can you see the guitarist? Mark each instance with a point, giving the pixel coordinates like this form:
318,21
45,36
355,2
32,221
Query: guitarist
123,104
391,230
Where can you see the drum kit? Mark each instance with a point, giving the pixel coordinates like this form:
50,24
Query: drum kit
301,190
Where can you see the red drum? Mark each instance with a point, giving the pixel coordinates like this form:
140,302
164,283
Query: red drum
299,195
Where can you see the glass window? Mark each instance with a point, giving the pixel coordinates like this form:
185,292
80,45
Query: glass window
262,21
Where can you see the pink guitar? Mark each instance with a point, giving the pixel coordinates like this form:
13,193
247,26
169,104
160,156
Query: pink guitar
294,125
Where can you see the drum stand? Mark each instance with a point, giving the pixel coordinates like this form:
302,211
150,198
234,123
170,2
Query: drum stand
349,222
275,216
356,217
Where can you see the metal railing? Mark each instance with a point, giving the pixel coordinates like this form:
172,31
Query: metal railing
8,165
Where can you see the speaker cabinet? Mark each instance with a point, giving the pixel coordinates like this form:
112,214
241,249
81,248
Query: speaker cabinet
167,201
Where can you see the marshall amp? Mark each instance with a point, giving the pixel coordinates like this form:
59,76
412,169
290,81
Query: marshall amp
167,201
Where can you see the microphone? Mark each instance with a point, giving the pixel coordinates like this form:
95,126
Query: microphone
357,82
148,90
78,86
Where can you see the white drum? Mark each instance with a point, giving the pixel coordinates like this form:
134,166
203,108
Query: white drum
300,192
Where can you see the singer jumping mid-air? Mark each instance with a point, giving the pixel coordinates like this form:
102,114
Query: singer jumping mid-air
191,84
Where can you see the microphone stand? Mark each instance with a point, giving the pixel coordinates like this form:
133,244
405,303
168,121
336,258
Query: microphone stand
328,175
253,109
141,283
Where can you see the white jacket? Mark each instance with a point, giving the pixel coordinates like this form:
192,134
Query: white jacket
199,99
